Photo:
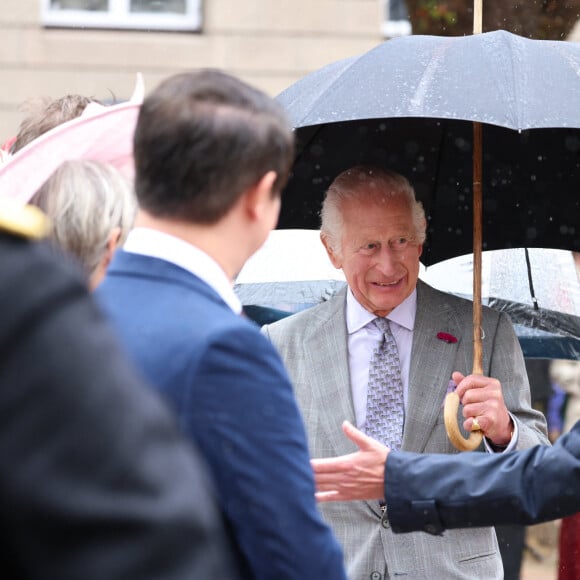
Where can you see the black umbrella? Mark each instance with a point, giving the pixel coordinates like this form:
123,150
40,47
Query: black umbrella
412,104
408,105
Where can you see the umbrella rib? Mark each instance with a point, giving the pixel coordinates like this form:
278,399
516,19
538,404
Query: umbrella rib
331,87
530,280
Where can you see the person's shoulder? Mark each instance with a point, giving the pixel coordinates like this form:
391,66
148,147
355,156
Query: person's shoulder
308,318
20,227
426,292
23,222
459,304
29,266
236,342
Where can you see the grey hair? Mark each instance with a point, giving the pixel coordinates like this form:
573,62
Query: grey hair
380,183
86,201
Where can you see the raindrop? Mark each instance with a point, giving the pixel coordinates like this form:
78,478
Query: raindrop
573,144
533,178
531,233
317,150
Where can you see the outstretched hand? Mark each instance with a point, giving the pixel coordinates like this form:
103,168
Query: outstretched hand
356,476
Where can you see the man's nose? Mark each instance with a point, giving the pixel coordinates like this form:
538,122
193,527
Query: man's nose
386,261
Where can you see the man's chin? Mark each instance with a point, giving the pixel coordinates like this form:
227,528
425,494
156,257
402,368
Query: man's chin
386,301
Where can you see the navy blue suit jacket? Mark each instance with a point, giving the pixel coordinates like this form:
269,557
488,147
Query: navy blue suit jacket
233,397
435,492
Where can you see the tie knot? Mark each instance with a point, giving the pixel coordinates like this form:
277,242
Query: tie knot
383,325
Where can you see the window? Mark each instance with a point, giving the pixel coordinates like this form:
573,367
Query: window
396,22
146,14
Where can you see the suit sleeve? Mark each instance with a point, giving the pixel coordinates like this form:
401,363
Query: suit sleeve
436,492
508,366
255,442
96,481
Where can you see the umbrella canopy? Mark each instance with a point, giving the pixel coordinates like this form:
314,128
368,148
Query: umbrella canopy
101,133
409,105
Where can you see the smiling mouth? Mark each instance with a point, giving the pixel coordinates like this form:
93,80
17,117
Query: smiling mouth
386,285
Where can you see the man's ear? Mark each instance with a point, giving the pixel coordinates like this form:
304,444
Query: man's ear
258,198
98,274
334,256
112,244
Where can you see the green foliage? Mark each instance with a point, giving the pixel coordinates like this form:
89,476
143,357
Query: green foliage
429,12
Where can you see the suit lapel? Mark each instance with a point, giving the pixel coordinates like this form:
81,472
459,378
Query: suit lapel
326,348
432,362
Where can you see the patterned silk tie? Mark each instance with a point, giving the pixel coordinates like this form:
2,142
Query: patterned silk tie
385,406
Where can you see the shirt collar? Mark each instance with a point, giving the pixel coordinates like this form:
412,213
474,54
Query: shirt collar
358,317
156,244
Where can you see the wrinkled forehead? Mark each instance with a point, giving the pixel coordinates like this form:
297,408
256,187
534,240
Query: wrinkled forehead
378,203
377,219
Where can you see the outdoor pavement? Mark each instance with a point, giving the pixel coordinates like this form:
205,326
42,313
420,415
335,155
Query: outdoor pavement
542,540
534,570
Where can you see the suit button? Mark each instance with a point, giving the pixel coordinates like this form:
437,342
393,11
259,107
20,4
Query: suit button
376,576
385,523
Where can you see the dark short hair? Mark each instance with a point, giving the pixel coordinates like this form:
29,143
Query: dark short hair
202,139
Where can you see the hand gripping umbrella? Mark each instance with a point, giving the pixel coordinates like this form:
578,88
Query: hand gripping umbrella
421,105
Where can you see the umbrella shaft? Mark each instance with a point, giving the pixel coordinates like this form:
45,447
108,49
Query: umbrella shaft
477,248
477,16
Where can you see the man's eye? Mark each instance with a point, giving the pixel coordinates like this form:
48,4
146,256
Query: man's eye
399,243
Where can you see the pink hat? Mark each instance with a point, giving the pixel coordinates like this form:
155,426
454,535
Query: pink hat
101,133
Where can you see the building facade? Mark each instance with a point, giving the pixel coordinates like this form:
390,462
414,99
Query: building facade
96,47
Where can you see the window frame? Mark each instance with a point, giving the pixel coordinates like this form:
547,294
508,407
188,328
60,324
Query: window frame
119,16
393,28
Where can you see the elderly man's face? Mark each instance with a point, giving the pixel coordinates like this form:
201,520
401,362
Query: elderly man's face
378,252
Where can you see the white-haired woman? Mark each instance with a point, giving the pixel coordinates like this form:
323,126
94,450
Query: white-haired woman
92,208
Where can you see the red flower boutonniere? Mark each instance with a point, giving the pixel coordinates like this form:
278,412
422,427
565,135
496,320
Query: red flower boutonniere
445,336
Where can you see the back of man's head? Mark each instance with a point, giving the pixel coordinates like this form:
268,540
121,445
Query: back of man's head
202,139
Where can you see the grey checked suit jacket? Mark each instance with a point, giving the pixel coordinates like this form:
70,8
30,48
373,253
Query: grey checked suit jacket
313,345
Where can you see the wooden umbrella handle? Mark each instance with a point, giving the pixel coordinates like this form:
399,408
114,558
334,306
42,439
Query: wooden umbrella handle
455,436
